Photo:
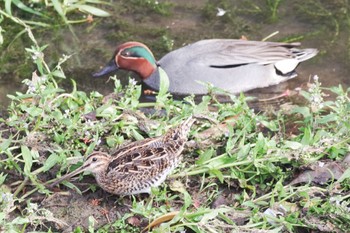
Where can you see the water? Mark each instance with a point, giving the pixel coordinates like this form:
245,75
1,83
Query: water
166,26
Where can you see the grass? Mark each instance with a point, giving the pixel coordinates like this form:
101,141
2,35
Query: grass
273,7
60,8
243,170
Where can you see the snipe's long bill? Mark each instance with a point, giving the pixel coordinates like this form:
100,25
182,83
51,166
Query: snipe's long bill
138,166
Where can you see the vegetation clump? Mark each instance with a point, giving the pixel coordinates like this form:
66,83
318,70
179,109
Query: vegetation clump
243,170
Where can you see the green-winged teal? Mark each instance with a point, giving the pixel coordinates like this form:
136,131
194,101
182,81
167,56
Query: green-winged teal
232,65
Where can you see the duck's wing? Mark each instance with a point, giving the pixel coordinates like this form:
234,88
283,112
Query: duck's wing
227,53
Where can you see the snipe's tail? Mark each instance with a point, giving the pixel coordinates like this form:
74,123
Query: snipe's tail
181,131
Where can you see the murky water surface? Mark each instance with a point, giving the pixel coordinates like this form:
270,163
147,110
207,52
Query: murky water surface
169,25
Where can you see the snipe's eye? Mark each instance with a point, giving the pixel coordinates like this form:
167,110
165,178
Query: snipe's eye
94,159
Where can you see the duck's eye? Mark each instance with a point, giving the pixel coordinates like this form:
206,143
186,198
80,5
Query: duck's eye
126,53
94,159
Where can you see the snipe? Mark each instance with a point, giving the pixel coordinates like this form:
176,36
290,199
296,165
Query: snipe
138,166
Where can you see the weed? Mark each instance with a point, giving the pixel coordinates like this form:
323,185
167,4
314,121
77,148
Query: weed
237,171
61,8
273,7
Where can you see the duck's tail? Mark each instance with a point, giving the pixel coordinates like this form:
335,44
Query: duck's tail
286,67
304,54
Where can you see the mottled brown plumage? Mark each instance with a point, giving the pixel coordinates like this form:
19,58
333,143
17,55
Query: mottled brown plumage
138,166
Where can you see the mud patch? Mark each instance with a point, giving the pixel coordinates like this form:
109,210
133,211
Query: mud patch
74,209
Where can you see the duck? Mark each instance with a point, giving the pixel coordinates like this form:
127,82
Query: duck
233,65
138,166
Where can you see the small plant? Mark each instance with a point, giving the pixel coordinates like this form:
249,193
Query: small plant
273,7
61,8
242,170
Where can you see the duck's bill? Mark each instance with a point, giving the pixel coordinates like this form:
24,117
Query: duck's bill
67,176
109,68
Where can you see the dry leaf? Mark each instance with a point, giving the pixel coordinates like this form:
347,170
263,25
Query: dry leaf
164,218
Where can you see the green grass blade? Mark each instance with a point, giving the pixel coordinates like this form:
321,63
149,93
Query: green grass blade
98,2
8,6
40,24
58,8
21,6
2,178
28,160
50,162
92,10
164,82
345,175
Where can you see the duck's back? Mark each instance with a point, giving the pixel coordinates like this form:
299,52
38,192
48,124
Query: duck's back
232,65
